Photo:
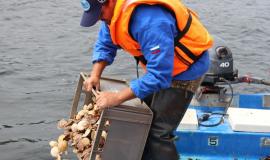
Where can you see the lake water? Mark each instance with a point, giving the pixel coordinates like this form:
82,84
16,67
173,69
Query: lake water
43,49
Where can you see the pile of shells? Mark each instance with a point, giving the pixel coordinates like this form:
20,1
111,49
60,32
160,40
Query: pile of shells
80,132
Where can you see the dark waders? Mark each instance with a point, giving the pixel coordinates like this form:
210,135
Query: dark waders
169,106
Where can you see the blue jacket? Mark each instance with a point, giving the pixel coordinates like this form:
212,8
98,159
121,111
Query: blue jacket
150,26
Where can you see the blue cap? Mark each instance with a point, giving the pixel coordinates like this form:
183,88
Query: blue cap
92,10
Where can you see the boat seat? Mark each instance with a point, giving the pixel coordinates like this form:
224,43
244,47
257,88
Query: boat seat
189,121
249,120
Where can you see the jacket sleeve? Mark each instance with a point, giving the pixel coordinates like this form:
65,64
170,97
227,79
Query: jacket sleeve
104,49
157,45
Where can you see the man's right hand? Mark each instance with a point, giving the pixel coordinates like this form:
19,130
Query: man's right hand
94,80
91,82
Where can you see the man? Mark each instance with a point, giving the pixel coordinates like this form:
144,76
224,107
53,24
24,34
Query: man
171,45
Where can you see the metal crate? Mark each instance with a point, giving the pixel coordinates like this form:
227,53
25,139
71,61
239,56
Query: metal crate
129,124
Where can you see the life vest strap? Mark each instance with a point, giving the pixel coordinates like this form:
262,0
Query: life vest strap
187,52
182,59
182,47
140,59
181,34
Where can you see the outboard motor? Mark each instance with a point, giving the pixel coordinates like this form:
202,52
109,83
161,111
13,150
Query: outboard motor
221,72
221,66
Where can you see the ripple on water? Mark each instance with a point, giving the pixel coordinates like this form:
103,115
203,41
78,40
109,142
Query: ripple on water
6,72
21,140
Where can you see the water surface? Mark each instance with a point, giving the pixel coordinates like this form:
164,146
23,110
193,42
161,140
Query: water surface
43,49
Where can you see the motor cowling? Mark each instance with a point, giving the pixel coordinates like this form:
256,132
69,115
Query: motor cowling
221,65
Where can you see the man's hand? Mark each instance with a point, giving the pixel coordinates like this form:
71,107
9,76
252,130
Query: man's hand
94,79
108,99
91,82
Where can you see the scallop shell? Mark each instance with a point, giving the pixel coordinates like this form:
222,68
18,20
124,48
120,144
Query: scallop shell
55,152
62,146
75,150
53,143
104,134
107,123
83,124
93,133
68,133
85,107
74,127
87,133
62,124
85,142
80,114
98,157
78,117
101,143
80,146
92,119
92,112
70,122
102,140
61,137
96,107
86,154
76,138
90,106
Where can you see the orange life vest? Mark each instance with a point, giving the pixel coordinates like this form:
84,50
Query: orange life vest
193,39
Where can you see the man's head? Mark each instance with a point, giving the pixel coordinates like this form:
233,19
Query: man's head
95,10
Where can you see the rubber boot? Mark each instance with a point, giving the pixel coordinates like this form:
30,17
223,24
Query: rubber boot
169,107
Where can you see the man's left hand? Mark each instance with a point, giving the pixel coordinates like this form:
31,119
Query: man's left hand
107,99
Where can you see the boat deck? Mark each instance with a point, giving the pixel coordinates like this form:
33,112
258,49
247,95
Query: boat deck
221,142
